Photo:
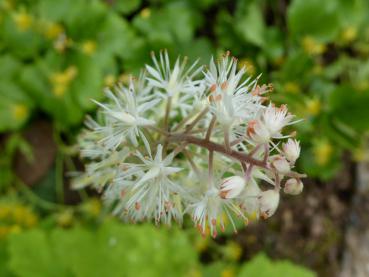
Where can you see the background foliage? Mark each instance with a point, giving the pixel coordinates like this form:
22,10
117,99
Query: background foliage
57,55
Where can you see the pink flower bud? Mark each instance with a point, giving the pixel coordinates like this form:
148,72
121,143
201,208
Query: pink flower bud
268,203
281,165
293,186
231,187
291,150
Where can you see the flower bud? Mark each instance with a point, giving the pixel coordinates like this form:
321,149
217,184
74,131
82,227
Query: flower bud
291,150
268,203
293,186
231,187
281,165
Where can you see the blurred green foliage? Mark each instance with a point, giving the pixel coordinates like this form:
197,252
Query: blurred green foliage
117,250
113,250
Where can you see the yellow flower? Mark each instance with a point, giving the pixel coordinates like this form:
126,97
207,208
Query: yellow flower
109,80
53,30
61,80
145,13
233,251
362,85
228,272
292,87
194,272
5,211
15,229
313,106
23,20
248,64
124,78
349,34
20,112
17,217
92,207
312,47
89,47
65,218
322,152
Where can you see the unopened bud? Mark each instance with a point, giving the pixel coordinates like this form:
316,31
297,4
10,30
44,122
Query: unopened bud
231,187
268,203
281,165
291,150
293,186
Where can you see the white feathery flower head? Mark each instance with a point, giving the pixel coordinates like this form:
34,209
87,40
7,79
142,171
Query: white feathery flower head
276,118
153,193
231,98
176,83
124,117
188,141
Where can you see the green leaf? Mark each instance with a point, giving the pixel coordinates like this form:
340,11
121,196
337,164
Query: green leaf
314,18
64,109
112,250
350,107
174,23
66,10
250,24
127,6
88,84
21,43
4,270
31,255
261,266
15,106
9,66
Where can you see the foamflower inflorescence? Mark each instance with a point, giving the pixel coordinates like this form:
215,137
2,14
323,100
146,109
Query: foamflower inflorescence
186,139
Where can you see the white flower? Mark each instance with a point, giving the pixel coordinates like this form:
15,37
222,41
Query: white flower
281,165
268,203
102,172
202,128
209,211
291,150
177,83
153,193
257,132
124,117
293,186
231,187
276,118
250,203
230,99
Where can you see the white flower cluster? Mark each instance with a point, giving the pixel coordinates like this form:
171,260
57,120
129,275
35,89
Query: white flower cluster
191,140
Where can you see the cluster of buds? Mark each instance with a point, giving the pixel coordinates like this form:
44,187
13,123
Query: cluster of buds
191,140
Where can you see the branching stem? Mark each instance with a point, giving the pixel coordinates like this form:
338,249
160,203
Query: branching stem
211,146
